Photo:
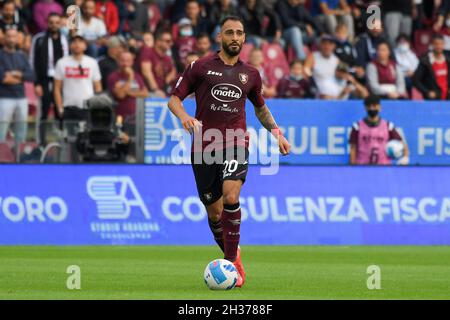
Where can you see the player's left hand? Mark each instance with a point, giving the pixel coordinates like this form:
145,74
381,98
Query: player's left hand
284,145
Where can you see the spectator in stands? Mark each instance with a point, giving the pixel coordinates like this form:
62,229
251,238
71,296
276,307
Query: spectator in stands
41,11
296,84
366,45
193,13
299,27
256,59
397,17
106,10
177,9
360,14
127,13
350,88
257,30
47,48
219,10
91,28
369,137
406,59
445,32
331,12
139,19
432,76
156,67
125,86
11,20
148,39
346,52
77,78
184,43
322,66
153,13
110,62
14,70
443,11
384,76
203,45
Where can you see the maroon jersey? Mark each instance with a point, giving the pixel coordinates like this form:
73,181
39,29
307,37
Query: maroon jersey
161,65
220,94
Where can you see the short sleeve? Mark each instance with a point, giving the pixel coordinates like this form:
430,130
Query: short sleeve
112,79
255,94
393,133
139,81
59,70
96,75
101,29
354,134
186,82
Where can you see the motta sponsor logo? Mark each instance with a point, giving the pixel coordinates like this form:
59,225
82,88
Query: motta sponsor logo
226,92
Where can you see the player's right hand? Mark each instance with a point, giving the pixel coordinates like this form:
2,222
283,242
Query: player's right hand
191,125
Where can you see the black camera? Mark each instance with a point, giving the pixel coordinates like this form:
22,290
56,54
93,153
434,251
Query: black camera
101,141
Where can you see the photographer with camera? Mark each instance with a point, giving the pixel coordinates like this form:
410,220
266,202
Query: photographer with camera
351,88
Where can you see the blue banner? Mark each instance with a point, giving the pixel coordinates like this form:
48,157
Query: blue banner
318,130
139,204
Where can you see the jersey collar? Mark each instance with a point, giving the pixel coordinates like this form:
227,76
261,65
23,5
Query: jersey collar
216,57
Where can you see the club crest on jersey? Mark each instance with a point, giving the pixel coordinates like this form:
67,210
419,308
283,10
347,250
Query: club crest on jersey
208,196
243,77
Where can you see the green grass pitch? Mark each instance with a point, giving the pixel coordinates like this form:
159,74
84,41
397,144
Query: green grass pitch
274,272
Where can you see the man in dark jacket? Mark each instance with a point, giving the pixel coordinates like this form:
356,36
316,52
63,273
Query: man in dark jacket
46,49
432,76
14,70
253,13
367,43
299,27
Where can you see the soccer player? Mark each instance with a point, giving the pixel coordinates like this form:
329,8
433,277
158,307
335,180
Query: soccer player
370,135
221,83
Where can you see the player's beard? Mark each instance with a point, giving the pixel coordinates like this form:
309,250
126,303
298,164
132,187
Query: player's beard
230,52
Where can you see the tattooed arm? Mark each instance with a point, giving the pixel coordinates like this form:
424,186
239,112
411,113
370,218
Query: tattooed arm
266,119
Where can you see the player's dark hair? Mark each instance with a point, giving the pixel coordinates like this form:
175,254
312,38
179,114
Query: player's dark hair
372,99
232,18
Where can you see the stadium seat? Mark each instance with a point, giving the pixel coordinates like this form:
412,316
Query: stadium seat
416,95
6,154
290,53
275,60
32,99
422,39
245,51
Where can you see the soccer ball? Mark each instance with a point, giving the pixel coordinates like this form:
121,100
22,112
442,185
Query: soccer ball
220,274
395,149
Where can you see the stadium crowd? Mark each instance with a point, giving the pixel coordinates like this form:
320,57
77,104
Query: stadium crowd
324,49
